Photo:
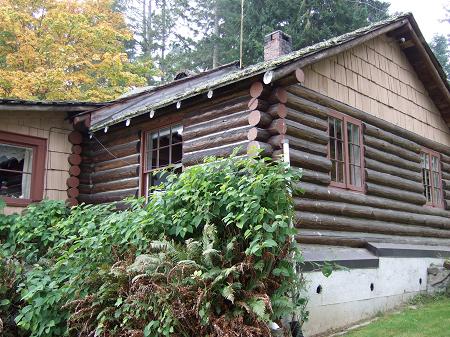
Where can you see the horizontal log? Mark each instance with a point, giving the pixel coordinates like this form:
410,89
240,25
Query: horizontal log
300,104
329,222
391,138
445,175
263,149
447,204
392,149
258,104
446,184
295,77
258,134
198,157
315,177
328,102
308,120
217,110
85,188
216,139
309,161
394,193
113,138
117,163
374,237
393,170
445,158
285,75
393,181
299,144
74,170
318,239
391,159
305,132
105,197
115,174
232,121
259,118
370,213
74,159
113,152
115,185
72,182
445,167
312,191
75,137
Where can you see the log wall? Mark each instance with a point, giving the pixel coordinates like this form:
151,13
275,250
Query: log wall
392,209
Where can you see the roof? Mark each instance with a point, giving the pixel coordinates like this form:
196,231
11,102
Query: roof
11,104
165,95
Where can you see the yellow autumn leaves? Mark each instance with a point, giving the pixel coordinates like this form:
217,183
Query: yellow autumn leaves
65,50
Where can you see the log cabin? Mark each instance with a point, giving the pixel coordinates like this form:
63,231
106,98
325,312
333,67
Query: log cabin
365,115
35,150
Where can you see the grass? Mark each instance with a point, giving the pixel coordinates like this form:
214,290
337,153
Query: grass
424,317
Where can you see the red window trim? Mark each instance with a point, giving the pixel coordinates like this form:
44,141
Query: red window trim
39,146
432,153
162,123
347,119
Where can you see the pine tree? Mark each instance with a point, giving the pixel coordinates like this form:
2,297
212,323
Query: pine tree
440,47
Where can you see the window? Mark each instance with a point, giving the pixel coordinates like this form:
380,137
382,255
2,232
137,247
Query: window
163,148
345,152
22,164
431,175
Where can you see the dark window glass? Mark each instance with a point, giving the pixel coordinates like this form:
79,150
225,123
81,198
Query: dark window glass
164,148
431,178
16,163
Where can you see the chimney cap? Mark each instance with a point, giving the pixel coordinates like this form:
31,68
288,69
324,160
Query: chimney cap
278,34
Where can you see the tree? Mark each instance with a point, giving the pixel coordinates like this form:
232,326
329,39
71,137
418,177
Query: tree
216,23
440,47
65,50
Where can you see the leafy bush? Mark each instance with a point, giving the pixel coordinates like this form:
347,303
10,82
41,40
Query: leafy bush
211,256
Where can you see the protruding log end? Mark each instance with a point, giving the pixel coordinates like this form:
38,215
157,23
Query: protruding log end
73,192
299,75
74,171
75,137
71,202
74,159
73,182
256,89
76,149
259,118
259,148
278,126
258,134
268,77
258,104
278,110
278,95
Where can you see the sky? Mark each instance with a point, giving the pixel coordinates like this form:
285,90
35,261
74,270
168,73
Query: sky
427,14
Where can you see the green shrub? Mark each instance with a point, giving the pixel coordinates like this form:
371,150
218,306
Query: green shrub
214,256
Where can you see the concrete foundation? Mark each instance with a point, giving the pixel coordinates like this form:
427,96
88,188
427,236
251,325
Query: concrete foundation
349,296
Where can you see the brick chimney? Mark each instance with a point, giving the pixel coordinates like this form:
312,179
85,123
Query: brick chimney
276,44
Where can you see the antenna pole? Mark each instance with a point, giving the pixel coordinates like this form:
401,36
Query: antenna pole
242,36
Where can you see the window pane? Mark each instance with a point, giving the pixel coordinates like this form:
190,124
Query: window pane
15,184
339,133
435,164
333,171
426,179
331,129
355,175
341,172
16,165
164,157
340,151
353,133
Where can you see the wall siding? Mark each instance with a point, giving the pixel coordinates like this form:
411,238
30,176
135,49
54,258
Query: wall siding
392,208
53,127
377,78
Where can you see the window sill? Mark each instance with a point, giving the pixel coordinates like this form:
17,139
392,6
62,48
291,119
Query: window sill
17,202
341,186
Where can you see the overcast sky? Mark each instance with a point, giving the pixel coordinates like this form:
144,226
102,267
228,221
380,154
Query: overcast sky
427,13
